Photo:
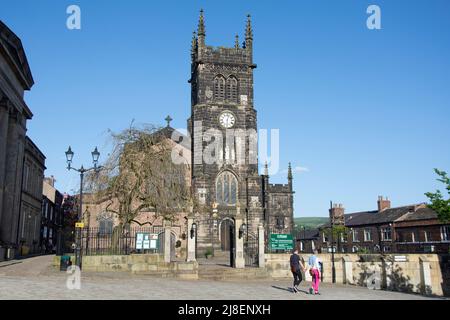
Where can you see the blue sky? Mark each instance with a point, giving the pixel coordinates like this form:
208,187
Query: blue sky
365,111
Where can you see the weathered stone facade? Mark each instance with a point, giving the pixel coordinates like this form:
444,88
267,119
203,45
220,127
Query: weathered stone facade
15,79
52,218
29,225
222,103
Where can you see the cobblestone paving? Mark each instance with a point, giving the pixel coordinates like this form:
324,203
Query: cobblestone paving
35,279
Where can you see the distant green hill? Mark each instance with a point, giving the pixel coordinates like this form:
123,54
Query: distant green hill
310,222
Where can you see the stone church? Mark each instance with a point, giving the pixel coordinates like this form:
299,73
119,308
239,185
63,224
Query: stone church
232,191
222,100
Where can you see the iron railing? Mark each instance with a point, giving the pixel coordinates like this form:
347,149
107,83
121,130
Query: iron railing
96,241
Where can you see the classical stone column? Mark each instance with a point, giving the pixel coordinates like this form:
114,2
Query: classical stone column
13,177
167,244
4,120
191,239
261,247
239,260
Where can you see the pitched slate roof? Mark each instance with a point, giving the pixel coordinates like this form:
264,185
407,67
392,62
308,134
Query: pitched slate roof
308,234
386,216
421,214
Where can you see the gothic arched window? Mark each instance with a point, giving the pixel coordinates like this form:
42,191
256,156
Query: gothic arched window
226,188
105,223
219,88
232,89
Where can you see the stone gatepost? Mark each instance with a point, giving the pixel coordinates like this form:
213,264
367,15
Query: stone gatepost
239,261
425,275
261,247
348,270
167,244
191,234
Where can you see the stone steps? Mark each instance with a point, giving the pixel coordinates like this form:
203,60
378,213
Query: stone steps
220,273
182,274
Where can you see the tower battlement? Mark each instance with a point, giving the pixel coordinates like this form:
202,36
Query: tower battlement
237,54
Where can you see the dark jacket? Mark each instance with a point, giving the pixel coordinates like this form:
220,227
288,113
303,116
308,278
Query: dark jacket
295,263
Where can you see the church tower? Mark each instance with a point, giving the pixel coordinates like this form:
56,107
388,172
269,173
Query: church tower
223,126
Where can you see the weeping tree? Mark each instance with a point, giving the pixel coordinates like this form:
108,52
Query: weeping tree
140,176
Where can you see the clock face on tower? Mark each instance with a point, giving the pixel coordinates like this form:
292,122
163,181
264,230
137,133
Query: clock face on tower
226,119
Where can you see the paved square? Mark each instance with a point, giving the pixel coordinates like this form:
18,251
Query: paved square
34,278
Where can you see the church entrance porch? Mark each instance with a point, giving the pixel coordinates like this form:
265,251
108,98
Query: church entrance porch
217,246
227,233
226,243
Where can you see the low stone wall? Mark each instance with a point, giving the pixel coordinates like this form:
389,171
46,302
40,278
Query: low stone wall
151,264
415,273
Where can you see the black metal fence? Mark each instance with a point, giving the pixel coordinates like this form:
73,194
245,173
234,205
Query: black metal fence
251,250
95,241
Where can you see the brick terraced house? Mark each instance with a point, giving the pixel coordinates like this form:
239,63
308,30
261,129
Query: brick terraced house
406,229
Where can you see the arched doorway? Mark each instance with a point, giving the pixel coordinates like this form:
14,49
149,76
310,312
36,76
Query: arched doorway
227,238
225,234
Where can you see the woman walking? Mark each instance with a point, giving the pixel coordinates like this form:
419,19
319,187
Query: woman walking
314,271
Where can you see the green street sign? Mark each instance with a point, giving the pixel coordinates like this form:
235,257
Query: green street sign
281,242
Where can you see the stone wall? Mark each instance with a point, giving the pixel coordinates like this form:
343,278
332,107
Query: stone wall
414,273
150,264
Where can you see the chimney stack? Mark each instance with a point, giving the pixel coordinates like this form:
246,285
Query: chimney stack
337,214
50,180
383,204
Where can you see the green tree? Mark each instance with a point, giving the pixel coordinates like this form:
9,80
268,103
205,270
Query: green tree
337,232
437,202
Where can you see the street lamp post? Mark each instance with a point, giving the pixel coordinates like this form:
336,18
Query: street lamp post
69,157
303,240
333,268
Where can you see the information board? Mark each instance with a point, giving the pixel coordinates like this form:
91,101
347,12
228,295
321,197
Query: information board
281,242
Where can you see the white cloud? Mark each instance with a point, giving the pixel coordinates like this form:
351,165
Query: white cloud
297,169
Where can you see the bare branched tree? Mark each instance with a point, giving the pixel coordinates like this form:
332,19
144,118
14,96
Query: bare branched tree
140,176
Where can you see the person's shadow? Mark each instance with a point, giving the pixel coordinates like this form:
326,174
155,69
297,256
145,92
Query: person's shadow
289,289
